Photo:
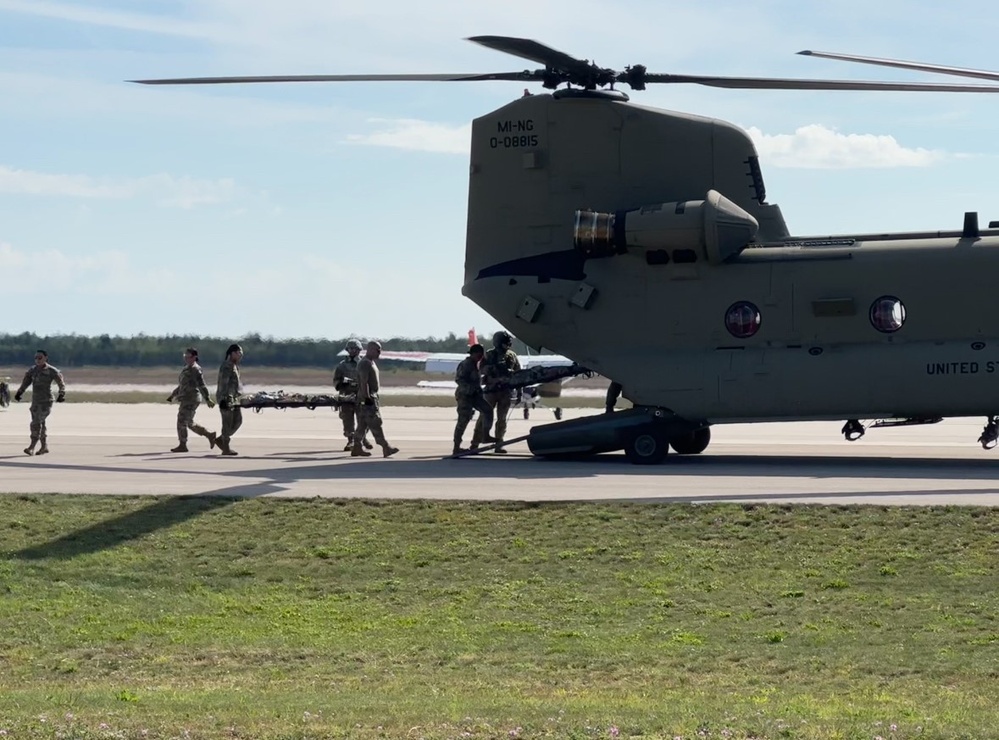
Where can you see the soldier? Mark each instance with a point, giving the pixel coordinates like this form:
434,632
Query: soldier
345,382
500,362
190,390
613,393
368,415
468,396
227,397
41,377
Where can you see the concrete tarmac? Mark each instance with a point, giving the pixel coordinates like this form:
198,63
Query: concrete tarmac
122,449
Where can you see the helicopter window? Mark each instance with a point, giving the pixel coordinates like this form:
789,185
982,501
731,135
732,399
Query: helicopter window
887,314
684,256
742,320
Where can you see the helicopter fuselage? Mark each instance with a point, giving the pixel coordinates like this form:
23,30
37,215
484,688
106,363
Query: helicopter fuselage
595,229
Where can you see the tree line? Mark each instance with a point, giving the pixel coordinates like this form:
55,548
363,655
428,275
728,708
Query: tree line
73,350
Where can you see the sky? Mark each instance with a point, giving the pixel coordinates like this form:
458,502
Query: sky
330,209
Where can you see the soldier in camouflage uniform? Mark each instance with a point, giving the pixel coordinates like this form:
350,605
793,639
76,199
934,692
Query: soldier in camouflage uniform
468,396
368,415
190,390
227,395
41,377
499,363
345,382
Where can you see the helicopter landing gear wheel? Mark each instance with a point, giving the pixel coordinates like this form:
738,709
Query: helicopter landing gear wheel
692,444
558,414
647,446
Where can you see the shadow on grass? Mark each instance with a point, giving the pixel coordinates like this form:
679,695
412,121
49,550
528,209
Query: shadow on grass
304,476
119,530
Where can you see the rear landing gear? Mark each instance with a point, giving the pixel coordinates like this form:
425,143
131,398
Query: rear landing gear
990,435
692,444
852,430
647,446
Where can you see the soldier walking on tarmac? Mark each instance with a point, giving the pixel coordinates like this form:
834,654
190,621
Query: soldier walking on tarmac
40,377
345,383
498,364
227,396
469,398
190,391
368,414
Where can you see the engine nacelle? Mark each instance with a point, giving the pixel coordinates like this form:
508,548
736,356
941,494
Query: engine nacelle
715,227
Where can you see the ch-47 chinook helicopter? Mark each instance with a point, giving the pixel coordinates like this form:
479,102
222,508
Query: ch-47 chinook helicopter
638,242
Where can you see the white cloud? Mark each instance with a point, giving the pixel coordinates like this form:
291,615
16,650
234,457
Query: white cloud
44,271
809,147
818,147
421,136
165,190
113,19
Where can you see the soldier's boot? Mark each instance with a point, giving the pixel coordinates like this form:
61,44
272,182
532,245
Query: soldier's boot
43,450
459,450
358,451
488,438
367,443
182,447
500,449
350,444
30,449
388,450
223,444
212,440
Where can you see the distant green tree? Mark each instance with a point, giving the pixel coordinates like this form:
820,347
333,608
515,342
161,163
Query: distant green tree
142,350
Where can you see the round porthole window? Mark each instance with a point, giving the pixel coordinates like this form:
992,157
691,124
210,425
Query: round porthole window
887,314
742,320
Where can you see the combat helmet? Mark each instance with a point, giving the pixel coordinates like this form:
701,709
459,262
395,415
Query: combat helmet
502,340
353,344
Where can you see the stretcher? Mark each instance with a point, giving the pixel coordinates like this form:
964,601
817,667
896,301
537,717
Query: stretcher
281,400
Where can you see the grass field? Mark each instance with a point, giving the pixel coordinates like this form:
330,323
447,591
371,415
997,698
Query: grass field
197,618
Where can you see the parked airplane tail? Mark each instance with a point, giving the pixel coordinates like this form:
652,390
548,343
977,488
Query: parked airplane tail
472,339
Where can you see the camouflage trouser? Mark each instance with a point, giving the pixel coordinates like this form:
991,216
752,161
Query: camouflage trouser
232,420
500,403
40,411
369,417
348,414
185,421
467,405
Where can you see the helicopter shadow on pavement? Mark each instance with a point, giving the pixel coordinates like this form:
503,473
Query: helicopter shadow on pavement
280,477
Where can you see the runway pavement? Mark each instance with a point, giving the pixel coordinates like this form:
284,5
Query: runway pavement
122,449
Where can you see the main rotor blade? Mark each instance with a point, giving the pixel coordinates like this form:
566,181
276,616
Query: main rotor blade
526,76
776,83
532,50
981,74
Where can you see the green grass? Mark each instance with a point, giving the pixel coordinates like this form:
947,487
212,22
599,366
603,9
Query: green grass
201,617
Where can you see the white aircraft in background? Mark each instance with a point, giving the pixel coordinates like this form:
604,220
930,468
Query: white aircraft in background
447,362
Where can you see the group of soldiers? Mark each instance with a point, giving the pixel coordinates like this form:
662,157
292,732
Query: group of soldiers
356,375
476,378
